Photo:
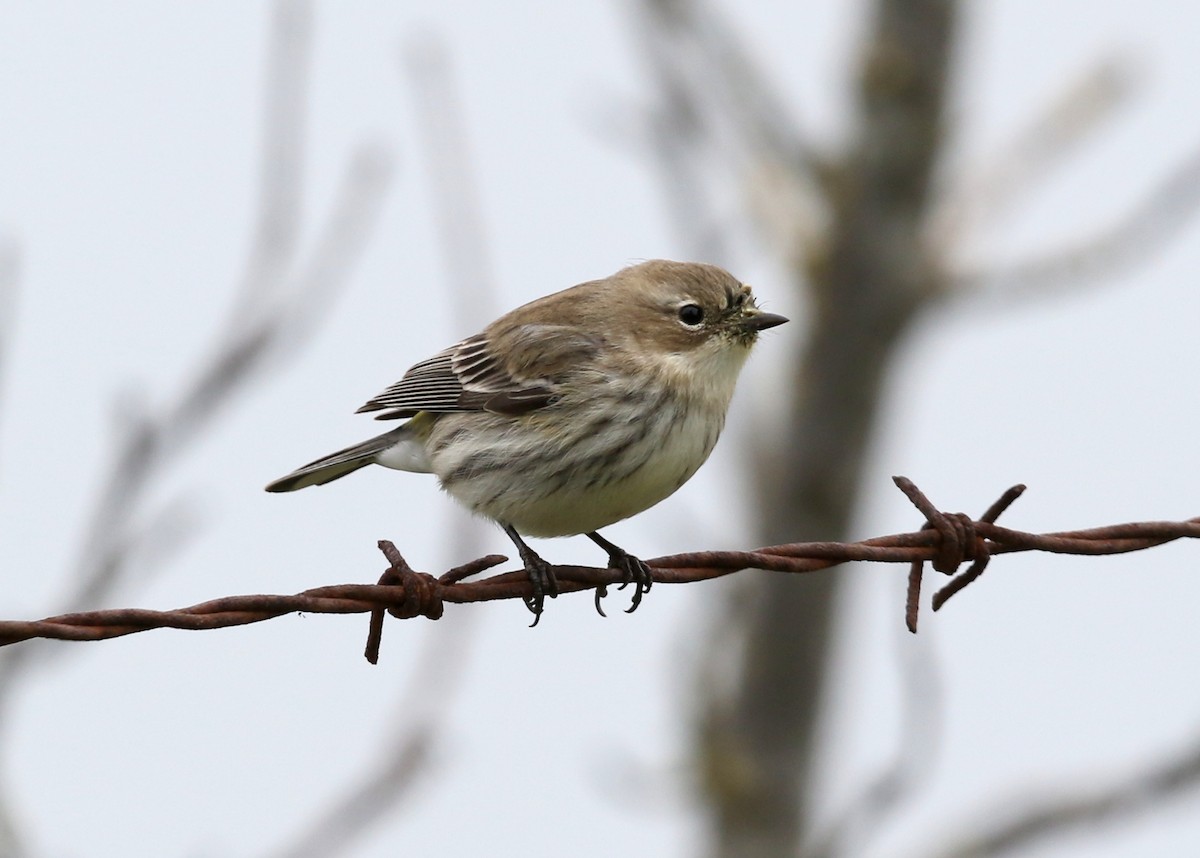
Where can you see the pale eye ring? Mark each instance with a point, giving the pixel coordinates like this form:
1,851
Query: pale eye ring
691,315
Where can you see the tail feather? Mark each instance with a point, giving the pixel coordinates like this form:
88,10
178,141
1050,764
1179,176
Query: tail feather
337,465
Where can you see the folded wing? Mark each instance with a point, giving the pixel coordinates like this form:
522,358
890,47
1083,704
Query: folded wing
521,374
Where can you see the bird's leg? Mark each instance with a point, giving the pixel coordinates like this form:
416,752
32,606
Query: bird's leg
633,571
541,574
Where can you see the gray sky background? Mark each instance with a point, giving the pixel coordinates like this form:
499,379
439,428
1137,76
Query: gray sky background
127,169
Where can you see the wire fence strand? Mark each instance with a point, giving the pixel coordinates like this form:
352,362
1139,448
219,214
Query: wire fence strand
946,541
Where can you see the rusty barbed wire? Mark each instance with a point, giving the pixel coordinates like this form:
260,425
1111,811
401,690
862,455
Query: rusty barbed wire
945,541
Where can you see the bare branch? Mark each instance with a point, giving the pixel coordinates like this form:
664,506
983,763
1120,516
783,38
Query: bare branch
281,160
1080,808
1112,253
983,194
718,115
678,142
337,829
921,710
389,779
272,314
443,129
717,67
403,760
350,223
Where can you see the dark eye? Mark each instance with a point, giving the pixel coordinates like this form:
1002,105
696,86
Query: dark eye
691,314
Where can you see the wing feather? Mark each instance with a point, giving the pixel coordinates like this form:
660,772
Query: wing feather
472,376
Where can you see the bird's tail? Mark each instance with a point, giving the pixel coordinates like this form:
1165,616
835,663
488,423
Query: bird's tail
399,445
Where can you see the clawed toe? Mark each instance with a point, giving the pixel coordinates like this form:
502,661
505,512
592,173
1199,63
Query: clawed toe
543,583
542,580
633,571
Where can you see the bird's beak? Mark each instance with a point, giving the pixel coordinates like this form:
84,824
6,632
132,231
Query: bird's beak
761,321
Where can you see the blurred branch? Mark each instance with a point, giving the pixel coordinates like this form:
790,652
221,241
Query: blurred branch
919,729
384,784
714,64
337,247
676,141
281,160
983,195
273,314
867,277
870,239
376,792
443,128
1134,238
1082,806
717,112
277,304
947,541
269,312
404,758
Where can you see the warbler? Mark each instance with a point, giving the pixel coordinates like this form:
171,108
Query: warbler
572,412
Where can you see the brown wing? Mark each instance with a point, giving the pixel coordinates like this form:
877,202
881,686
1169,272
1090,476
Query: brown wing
469,376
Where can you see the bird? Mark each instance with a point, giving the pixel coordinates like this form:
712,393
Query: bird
572,412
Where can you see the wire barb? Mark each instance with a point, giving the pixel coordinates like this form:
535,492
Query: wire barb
947,540
959,542
420,597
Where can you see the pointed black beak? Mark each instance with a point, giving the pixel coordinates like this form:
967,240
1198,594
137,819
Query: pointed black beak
762,321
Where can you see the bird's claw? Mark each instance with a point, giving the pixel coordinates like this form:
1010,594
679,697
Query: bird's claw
543,583
601,592
633,571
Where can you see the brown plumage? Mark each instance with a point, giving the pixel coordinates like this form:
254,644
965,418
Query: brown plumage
574,411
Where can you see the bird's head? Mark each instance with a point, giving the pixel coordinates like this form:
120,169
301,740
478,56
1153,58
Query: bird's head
690,308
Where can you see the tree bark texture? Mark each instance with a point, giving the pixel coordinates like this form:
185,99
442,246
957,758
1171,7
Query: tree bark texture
865,281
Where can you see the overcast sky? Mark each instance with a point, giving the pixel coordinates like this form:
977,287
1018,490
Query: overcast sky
128,163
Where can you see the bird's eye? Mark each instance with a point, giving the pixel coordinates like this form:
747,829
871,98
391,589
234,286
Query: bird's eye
691,314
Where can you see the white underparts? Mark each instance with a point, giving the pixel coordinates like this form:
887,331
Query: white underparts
408,454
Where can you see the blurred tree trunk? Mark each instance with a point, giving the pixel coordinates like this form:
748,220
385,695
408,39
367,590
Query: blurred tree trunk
865,280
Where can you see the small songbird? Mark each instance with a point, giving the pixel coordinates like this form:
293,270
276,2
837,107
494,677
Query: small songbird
574,411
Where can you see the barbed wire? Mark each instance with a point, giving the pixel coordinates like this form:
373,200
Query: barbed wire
946,541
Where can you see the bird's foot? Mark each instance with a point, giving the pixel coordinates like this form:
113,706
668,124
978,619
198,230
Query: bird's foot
542,580
633,571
